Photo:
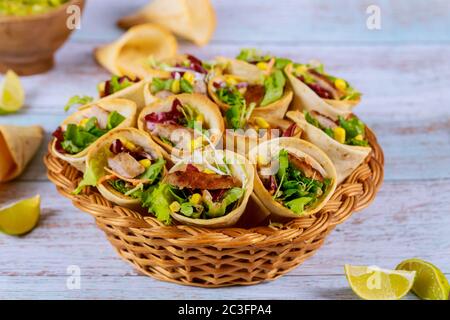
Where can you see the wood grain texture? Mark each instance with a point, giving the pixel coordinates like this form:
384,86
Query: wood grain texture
404,73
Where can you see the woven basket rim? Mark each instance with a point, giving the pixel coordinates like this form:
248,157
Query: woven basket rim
353,195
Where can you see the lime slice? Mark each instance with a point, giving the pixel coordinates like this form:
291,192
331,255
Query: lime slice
373,283
12,95
21,217
430,283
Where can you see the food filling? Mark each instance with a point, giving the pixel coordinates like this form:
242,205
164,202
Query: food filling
115,84
350,131
182,127
28,7
76,137
297,185
179,82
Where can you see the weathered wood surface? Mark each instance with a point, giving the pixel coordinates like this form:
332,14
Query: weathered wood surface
406,101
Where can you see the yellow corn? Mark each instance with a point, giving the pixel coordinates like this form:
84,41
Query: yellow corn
231,81
101,87
301,69
175,206
262,123
208,171
262,161
128,144
339,134
340,84
196,143
359,137
145,163
200,118
195,199
189,77
262,65
175,86
83,122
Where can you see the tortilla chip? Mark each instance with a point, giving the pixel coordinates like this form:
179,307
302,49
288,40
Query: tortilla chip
194,20
128,55
18,146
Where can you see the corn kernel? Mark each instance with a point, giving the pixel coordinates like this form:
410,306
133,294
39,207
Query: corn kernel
196,143
128,144
340,84
301,69
195,199
359,137
261,160
101,87
339,134
83,122
189,77
175,206
145,163
200,118
231,81
175,86
208,171
262,66
262,123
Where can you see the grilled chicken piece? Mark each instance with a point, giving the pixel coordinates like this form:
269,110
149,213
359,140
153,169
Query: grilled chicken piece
125,165
200,180
200,87
324,120
100,114
305,167
164,94
180,136
255,93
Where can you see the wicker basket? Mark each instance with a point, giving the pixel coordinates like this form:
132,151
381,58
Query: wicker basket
220,257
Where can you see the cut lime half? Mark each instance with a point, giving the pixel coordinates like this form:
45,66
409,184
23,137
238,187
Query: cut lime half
373,283
430,282
20,217
12,95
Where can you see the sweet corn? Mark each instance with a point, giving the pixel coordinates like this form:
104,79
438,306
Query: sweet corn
261,160
231,81
128,144
101,87
145,163
359,137
200,118
175,206
340,84
301,69
208,171
262,123
339,134
195,199
175,86
83,122
189,77
196,143
262,66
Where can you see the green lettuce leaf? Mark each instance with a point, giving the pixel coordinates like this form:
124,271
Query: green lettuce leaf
114,119
154,170
298,205
77,100
218,209
274,87
158,199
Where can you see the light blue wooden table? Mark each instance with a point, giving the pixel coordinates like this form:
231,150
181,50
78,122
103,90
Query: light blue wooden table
403,71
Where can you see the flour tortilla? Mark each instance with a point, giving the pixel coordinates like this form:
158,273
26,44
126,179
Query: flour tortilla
241,169
306,99
126,108
194,20
303,149
209,110
128,55
345,158
99,154
18,145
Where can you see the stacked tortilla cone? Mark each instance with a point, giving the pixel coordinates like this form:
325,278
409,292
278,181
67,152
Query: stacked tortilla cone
152,105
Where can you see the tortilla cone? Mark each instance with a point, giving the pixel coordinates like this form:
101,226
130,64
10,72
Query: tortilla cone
307,99
316,157
209,110
98,156
194,20
128,55
127,108
18,145
271,112
344,157
240,69
243,170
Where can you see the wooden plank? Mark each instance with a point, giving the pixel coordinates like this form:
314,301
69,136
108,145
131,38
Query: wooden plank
293,21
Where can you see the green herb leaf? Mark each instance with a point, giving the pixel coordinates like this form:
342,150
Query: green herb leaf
298,205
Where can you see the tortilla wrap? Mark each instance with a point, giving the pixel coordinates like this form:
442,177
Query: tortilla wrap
346,158
126,108
303,149
306,99
241,169
98,157
128,55
194,20
18,145
209,110
240,69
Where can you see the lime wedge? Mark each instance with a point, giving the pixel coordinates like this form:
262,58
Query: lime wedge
373,283
20,217
430,283
12,95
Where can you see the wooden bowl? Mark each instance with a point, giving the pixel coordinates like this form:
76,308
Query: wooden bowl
29,43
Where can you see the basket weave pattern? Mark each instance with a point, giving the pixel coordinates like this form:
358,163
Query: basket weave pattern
220,257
